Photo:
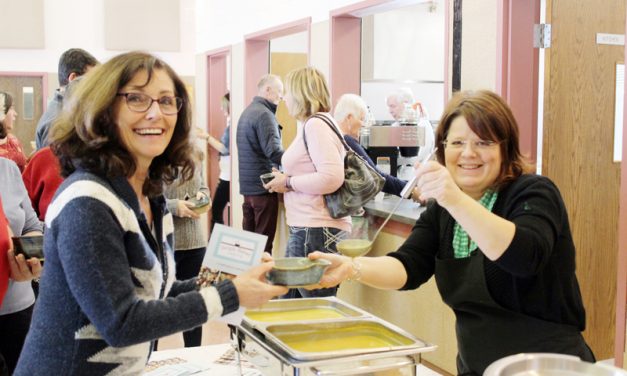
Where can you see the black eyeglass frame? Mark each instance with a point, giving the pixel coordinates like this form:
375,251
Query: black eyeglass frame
179,102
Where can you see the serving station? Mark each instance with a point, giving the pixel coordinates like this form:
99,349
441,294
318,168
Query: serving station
325,336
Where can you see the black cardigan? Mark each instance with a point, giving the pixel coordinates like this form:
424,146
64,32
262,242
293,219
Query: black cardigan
536,273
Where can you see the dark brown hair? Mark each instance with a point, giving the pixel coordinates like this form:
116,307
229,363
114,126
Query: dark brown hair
86,134
7,100
490,118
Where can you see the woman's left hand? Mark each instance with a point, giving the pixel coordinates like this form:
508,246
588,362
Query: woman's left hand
278,183
435,181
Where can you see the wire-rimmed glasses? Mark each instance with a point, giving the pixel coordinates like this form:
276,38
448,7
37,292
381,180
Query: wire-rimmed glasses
461,144
140,102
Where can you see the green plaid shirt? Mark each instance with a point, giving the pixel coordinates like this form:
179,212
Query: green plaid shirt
462,245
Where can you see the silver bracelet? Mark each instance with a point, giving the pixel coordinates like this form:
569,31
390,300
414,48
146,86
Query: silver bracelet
356,267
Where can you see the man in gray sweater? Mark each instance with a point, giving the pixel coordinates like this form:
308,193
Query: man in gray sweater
259,148
73,63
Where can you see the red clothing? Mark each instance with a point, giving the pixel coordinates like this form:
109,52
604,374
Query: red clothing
12,149
42,177
5,244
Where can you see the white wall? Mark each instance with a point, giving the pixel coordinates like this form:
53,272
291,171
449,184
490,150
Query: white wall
80,24
222,23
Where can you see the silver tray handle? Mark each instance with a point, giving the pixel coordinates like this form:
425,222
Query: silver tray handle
395,363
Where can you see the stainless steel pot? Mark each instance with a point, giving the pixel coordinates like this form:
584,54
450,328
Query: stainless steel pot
545,364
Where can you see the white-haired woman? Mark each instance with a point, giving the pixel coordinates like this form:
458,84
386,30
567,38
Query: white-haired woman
350,113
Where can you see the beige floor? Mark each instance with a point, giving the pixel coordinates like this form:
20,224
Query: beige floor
213,332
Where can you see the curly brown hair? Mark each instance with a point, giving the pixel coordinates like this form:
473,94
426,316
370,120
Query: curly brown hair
490,118
87,135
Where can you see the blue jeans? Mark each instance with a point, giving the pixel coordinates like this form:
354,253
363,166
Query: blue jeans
304,240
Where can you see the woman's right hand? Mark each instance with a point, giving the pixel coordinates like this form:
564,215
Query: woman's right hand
21,269
252,288
340,270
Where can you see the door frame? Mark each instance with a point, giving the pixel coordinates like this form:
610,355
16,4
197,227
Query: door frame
517,67
217,85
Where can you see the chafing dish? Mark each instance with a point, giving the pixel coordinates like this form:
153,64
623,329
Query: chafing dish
333,338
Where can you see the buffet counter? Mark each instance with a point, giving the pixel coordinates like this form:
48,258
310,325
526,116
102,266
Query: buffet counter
407,213
421,312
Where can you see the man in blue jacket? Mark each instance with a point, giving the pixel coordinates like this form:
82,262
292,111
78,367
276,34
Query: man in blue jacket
259,148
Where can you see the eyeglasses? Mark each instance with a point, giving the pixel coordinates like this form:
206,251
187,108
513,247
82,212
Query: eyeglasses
139,102
477,144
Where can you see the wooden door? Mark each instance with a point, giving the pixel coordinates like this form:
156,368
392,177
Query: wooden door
281,63
27,93
577,148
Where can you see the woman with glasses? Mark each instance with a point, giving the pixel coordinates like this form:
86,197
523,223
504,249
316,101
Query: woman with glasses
108,288
495,236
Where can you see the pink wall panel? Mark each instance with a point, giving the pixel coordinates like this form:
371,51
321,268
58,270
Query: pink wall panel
345,55
517,67
257,55
216,122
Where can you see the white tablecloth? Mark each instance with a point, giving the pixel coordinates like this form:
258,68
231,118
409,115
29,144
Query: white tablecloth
203,356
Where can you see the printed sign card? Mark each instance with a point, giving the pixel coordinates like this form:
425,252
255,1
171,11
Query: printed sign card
234,251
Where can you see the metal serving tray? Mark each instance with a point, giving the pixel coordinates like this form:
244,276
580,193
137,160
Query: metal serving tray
272,360
334,339
287,311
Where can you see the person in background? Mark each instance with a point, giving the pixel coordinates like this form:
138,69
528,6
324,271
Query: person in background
350,113
10,146
73,63
222,194
310,172
495,236
259,148
108,288
403,107
42,177
396,102
189,242
5,246
17,306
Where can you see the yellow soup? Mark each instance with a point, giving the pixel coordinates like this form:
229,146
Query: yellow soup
294,315
354,247
304,343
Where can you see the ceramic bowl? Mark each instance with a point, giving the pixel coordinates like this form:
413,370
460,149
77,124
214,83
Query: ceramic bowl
296,271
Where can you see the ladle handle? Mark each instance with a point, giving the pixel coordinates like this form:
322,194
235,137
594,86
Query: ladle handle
405,193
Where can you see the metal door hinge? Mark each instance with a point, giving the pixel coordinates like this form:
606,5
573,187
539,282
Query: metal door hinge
542,35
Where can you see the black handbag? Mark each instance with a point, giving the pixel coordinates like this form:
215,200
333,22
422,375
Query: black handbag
361,181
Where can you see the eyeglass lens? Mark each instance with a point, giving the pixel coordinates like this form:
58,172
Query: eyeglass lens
141,103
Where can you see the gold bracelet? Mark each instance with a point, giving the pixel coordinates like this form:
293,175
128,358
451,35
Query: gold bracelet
356,266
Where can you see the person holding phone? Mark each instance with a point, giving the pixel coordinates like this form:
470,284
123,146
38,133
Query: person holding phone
108,289
17,306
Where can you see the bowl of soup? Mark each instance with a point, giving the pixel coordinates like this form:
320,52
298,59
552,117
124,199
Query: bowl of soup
296,271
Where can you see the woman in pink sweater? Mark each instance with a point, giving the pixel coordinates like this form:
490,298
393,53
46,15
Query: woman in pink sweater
313,167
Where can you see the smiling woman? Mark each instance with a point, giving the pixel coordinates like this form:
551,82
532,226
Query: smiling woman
108,287
496,238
